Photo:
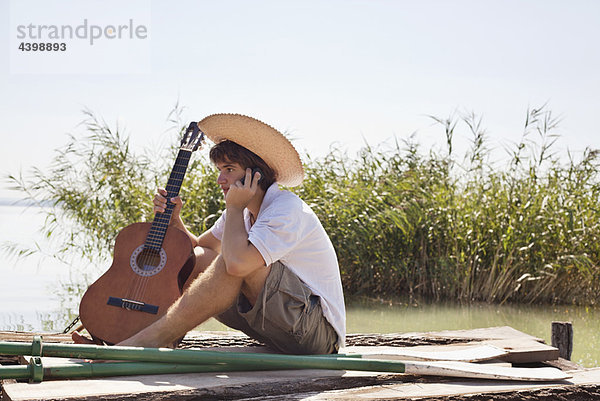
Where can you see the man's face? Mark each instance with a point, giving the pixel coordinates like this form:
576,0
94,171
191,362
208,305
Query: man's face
229,173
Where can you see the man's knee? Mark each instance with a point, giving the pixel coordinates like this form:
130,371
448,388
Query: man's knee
250,284
204,257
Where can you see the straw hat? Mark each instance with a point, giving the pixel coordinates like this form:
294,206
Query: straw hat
262,139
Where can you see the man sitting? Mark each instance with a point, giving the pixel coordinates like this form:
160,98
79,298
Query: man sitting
266,267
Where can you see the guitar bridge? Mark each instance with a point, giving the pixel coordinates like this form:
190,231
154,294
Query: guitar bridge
130,304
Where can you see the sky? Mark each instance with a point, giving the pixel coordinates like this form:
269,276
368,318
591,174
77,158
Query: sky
325,72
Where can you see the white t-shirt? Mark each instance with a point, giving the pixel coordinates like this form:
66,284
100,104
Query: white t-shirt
287,230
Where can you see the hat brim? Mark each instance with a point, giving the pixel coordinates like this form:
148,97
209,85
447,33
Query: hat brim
262,139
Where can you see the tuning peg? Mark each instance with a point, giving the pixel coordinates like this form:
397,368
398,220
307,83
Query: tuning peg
195,130
191,128
199,141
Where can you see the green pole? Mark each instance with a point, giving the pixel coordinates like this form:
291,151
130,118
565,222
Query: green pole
36,372
15,372
256,361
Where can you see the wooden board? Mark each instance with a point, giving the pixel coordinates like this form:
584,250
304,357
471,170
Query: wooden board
521,347
25,336
524,350
484,333
131,387
464,353
488,333
590,379
482,371
263,384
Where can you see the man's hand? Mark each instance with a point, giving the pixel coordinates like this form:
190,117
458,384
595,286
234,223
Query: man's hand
160,205
160,202
239,195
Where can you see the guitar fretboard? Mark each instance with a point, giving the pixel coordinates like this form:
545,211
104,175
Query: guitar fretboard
161,221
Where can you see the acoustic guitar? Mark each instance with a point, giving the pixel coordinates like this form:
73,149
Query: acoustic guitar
151,263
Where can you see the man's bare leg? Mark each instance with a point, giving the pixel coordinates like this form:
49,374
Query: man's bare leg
204,258
213,292
251,286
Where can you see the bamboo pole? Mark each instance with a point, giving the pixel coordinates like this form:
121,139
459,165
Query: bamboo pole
88,369
235,360
214,361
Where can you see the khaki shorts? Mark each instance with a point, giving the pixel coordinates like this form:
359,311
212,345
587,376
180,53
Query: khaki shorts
287,316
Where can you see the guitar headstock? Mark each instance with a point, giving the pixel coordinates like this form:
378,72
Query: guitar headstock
193,138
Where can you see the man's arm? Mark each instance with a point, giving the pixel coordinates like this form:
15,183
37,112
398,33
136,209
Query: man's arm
208,240
241,257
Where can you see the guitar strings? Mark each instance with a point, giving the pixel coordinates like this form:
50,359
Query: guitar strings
149,258
139,284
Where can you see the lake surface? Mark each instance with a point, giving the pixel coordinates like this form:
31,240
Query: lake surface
536,320
39,293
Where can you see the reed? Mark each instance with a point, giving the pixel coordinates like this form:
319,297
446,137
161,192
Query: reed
429,225
404,222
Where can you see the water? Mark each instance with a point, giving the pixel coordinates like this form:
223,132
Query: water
27,287
535,320
40,293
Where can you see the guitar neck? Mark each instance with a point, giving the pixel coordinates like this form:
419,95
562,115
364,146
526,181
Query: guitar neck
161,221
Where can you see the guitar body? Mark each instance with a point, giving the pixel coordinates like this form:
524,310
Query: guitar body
140,285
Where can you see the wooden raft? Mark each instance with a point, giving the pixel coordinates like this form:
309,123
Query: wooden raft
514,347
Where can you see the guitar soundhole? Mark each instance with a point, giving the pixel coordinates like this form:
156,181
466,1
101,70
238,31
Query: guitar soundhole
147,262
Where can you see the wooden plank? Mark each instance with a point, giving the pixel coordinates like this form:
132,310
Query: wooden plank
524,350
485,333
498,362
521,347
263,384
23,336
165,385
258,384
589,378
489,333
482,371
464,353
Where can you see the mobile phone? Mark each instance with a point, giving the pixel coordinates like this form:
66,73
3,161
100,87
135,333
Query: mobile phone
254,171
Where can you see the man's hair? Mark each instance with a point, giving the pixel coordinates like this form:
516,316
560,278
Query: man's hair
228,151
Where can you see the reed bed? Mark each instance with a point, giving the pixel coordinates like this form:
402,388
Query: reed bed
404,222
